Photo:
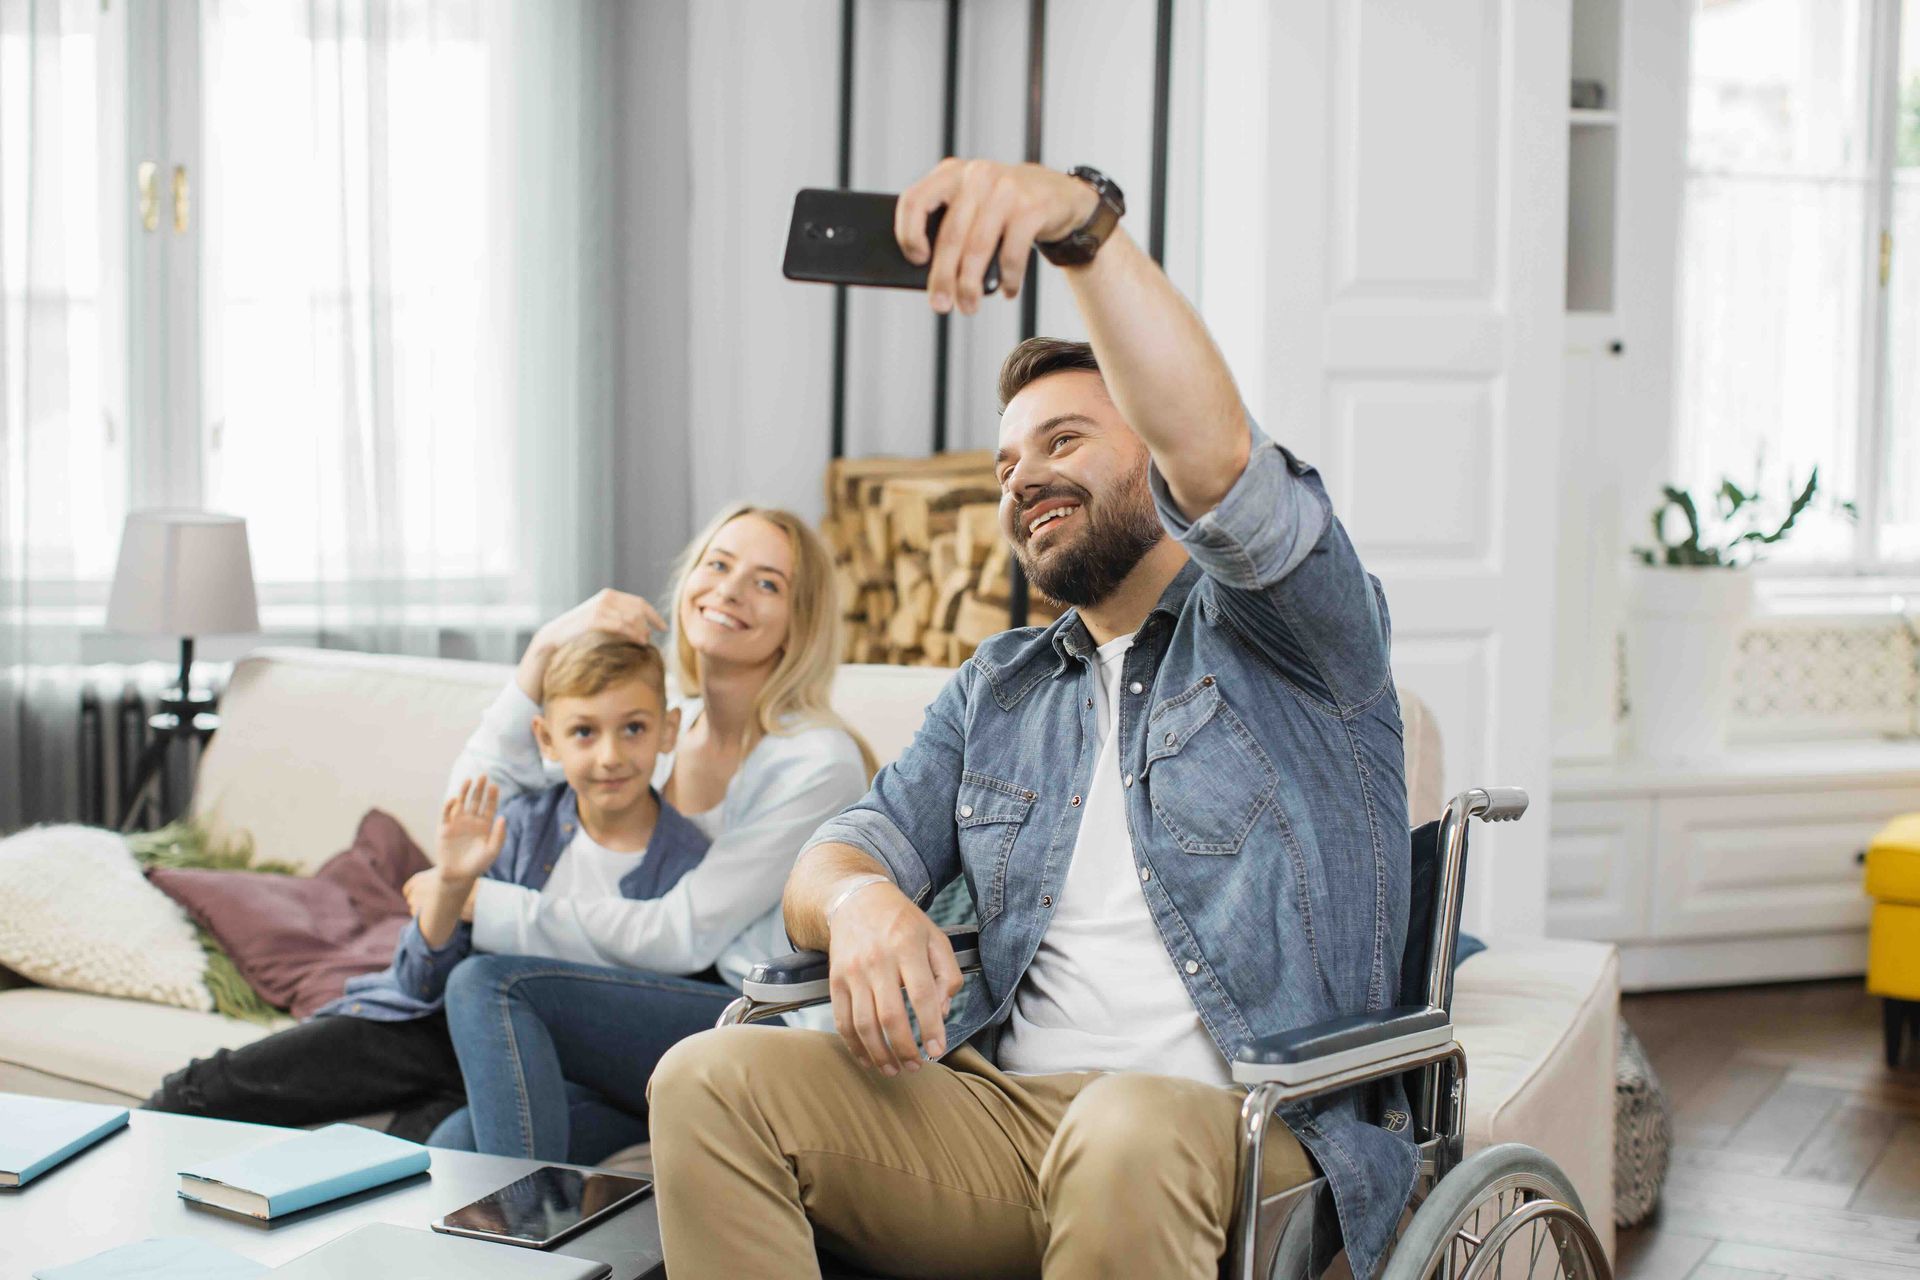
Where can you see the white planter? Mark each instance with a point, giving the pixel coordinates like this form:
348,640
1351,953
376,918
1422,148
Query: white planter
1682,641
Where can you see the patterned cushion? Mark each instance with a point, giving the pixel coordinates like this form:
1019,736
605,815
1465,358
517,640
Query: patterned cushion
75,913
1642,1132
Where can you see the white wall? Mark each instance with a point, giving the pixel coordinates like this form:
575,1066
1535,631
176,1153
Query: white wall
652,463
727,388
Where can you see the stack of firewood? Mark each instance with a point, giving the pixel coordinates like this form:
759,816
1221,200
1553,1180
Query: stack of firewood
924,574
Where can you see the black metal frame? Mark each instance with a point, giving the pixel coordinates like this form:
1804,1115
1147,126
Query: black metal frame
1030,298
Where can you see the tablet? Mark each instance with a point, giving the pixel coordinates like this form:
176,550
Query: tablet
545,1207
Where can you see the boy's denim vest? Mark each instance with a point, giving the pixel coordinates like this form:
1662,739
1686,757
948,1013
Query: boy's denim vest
540,826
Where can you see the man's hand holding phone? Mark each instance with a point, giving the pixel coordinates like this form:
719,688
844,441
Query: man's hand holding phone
880,945
991,208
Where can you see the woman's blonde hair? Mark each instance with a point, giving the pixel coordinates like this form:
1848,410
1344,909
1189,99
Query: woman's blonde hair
799,692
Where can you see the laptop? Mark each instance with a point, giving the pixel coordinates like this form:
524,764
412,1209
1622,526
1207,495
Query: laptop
381,1251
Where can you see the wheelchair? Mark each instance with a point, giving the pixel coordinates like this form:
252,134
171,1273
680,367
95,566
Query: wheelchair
1504,1213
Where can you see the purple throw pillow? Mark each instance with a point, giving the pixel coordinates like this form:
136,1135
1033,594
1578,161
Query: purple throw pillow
297,939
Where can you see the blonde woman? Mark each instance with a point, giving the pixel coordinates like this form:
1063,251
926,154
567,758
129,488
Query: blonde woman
556,1053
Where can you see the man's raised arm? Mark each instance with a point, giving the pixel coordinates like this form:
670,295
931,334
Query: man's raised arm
1160,365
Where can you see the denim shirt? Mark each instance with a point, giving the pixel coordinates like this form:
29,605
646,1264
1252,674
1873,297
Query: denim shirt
1263,780
540,826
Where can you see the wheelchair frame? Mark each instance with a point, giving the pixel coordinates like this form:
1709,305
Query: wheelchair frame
1297,1065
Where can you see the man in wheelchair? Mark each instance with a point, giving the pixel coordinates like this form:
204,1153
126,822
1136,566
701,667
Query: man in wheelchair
1181,812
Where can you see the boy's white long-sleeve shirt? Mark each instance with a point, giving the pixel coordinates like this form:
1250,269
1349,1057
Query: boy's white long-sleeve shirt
726,911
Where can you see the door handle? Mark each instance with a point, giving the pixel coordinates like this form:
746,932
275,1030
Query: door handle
181,198
146,178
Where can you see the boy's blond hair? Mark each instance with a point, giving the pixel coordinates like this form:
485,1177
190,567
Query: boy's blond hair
596,660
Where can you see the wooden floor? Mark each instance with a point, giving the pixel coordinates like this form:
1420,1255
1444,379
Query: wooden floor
1796,1152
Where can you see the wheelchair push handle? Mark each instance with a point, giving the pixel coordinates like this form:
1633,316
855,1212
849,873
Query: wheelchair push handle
1500,804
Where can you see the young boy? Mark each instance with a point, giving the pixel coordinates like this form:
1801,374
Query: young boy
603,833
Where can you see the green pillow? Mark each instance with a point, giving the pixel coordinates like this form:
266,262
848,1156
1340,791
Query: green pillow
186,844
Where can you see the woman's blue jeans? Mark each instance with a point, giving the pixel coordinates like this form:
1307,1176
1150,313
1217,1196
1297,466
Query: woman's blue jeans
556,1055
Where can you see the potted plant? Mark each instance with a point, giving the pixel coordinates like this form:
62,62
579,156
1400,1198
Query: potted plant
1690,593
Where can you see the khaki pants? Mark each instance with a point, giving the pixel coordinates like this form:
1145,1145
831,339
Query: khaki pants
767,1140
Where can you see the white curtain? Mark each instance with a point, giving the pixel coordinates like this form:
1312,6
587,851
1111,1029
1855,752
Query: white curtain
62,419
407,310
403,269
1769,321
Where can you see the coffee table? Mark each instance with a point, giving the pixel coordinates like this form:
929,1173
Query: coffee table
123,1189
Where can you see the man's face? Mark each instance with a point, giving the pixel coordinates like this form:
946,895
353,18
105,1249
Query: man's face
1073,479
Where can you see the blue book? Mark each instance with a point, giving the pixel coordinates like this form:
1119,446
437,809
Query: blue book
38,1133
303,1171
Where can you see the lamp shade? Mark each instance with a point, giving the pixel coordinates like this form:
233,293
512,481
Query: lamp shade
183,573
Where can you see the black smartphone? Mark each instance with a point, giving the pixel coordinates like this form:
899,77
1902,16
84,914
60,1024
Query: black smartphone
846,237
545,1207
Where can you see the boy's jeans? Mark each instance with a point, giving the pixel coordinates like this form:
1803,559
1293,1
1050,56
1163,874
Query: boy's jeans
556,1055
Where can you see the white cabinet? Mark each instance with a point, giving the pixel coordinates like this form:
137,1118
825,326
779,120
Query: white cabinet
1735,866
1738,870
1596,878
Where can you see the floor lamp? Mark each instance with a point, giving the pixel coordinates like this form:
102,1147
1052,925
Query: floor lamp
185,574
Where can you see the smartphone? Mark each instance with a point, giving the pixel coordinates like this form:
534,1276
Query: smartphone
846,237
545,1207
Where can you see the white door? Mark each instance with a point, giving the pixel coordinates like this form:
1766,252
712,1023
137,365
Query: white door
1410,208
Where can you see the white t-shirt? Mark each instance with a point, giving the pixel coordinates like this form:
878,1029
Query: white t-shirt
514,924
588,870
1102,993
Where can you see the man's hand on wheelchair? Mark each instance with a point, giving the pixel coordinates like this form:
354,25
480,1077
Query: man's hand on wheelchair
880,946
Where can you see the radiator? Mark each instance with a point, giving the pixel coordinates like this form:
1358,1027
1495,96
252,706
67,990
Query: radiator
103,732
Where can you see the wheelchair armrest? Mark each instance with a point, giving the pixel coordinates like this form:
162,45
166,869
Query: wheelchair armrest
1338,1046
801,977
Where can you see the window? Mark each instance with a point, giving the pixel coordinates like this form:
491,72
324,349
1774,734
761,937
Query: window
1798,338
342,268
62,273
344,289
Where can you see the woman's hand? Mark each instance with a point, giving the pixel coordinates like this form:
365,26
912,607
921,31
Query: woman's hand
880,944
423,887
420,888
607,610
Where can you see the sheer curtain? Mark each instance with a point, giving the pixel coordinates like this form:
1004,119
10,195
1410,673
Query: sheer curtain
1771,318
407,311
62,388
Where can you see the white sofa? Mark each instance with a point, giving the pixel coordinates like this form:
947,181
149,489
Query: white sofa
311,740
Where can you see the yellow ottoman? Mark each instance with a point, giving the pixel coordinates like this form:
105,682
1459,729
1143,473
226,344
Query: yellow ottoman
1893,947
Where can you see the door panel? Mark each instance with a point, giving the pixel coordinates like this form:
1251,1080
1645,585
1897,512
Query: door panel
1416,179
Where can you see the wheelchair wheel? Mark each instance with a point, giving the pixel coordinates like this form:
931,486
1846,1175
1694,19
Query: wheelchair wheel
1505,1213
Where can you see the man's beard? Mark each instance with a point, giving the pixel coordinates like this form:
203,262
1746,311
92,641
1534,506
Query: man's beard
1092,566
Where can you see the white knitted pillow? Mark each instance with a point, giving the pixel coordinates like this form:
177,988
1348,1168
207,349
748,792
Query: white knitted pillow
76,913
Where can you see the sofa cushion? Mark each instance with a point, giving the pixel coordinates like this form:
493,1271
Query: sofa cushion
124,1046
76,914
1536,1017
297,939
311,739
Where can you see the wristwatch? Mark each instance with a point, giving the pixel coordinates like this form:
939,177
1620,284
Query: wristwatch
1077,248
